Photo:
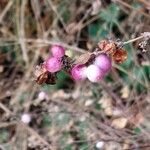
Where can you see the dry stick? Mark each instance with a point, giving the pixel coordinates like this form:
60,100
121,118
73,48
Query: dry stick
26,126
3,107
48,42
130,75
43,41
36,10
145,2
7,124
27,75
6,9
81,22
130,7
137,147
53,43
101,125
133,40
58,15
22,32
112,94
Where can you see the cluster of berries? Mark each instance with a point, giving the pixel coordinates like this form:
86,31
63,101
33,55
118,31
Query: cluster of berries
100,66
94,71
54,63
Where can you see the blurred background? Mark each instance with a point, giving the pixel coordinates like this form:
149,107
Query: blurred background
69,115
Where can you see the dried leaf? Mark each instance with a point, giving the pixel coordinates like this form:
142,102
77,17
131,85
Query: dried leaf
137,119
125,92
105,102
120,56
84,58
108,111
88,102
119,123
1,68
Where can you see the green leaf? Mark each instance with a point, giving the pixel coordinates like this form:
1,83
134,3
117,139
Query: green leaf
137,130
64,11
62,119
98,106
97,31
64,137
84,146
63,81
138,73
130,61
4,135
46,121
68,147
110,14
137,5
146,70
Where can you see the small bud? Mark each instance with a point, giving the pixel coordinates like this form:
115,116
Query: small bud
103,62
99,144
26,118
42,95
53,64
78,72
94,73
57,51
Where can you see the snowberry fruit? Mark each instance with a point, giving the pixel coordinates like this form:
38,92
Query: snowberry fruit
57,51
53,64
78,72
94,73
26,118
103,62
99,144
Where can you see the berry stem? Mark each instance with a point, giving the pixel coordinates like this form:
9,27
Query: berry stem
133,40
143,35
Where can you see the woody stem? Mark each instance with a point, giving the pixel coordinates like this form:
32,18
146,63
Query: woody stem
133,40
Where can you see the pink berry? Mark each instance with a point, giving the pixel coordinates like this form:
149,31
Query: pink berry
57,51
53,64
78,72
94,73
103,62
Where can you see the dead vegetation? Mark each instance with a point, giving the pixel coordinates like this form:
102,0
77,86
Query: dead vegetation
69,115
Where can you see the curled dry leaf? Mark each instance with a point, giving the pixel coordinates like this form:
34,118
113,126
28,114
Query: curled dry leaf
108,111
119,123
106,46
88,102
137,119
106,104
73,27
120,56
61,94
1,68
41,75
96,7
84,58
113,146
125,92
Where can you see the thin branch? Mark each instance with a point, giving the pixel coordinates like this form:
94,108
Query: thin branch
32,131
133,40
58,15
6,9
130,7
22,32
